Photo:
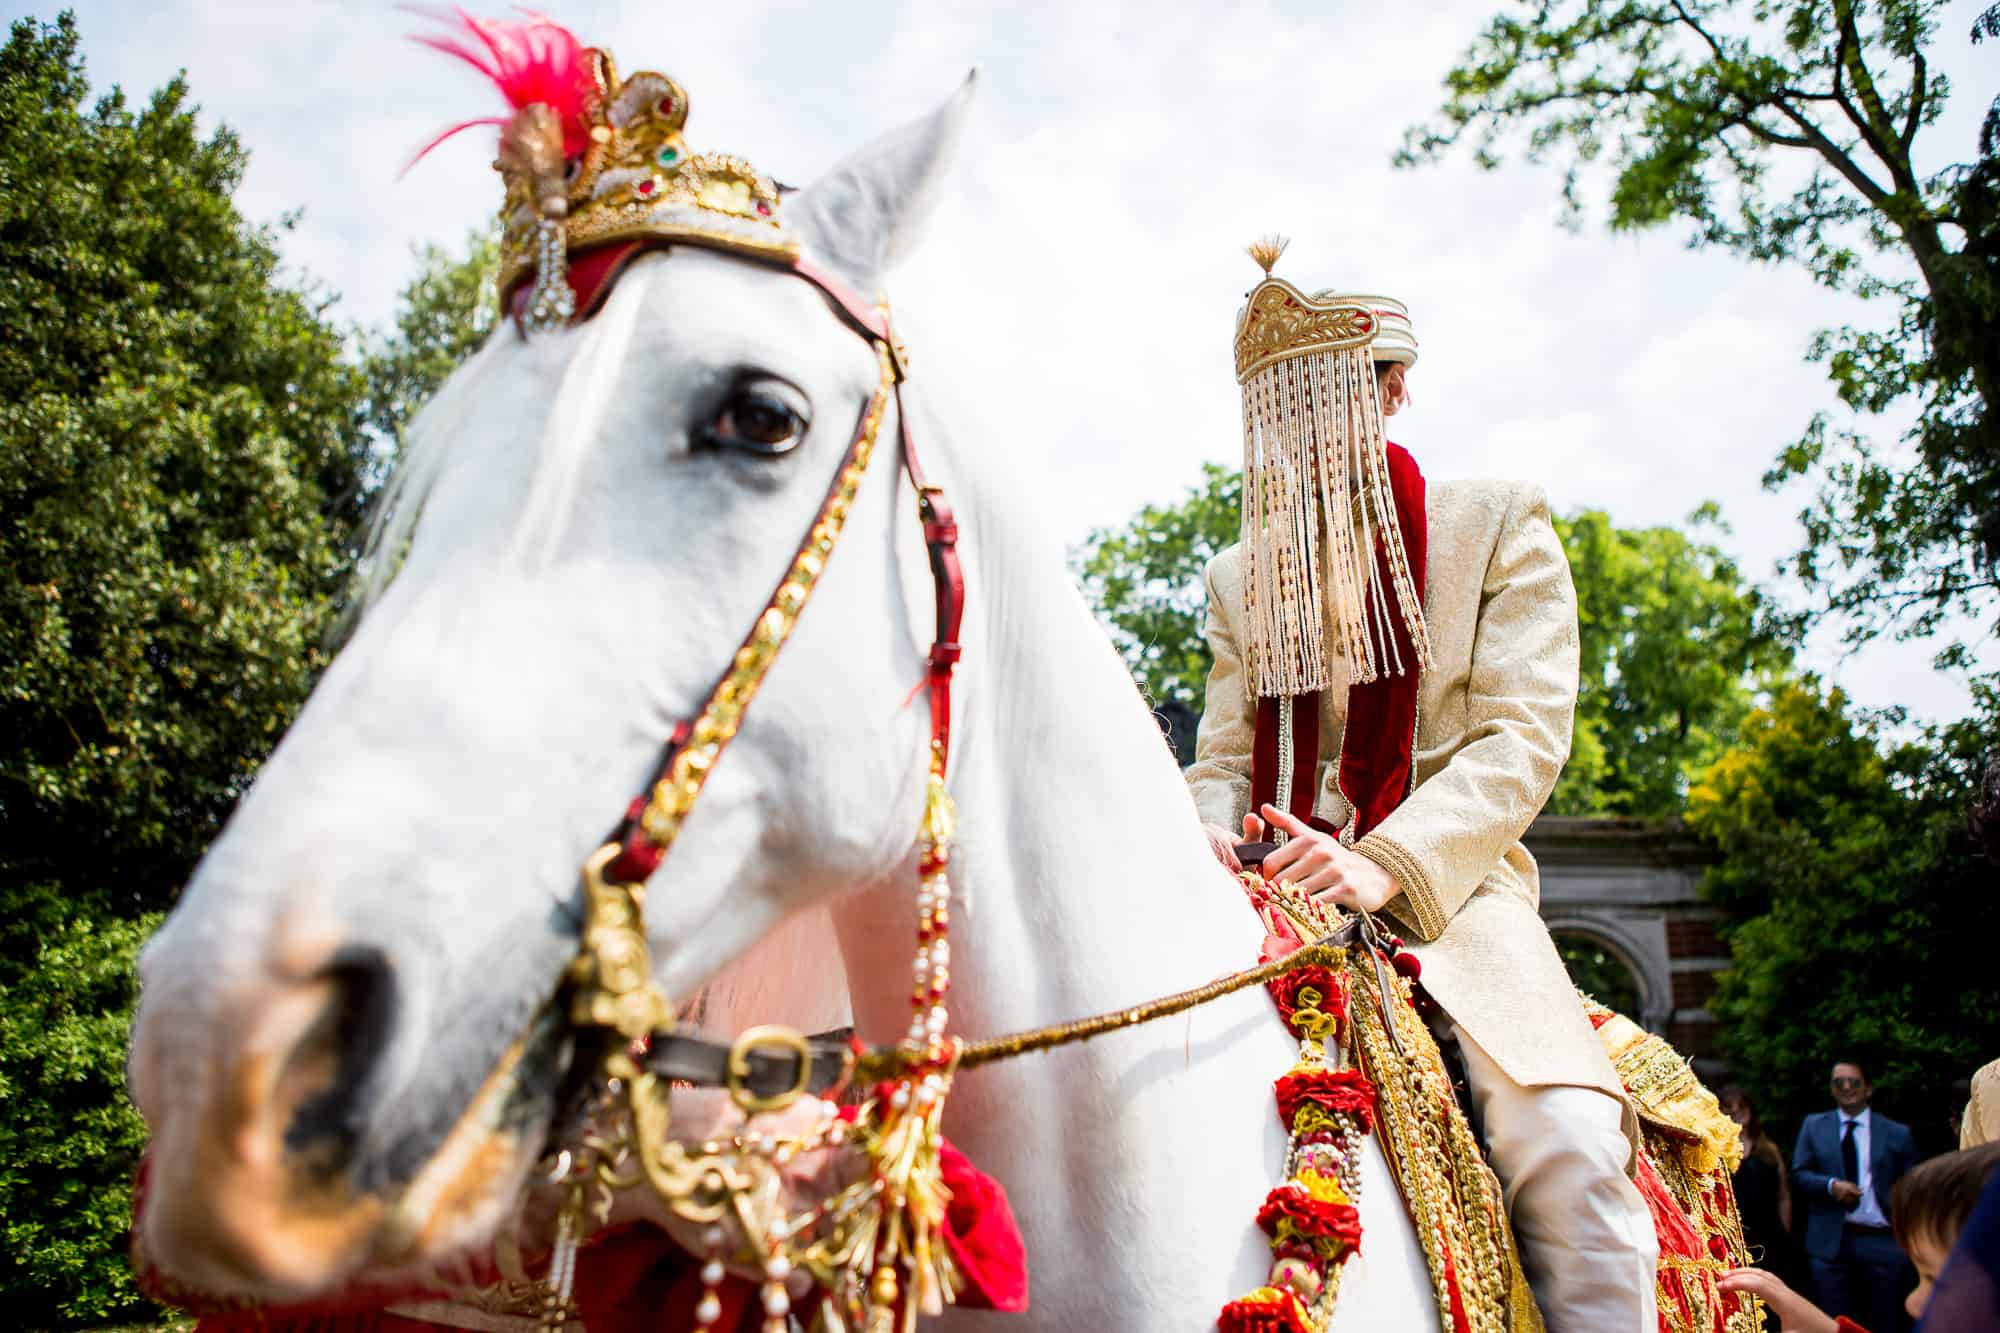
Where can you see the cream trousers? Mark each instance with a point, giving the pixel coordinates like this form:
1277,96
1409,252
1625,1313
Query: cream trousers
1586,1235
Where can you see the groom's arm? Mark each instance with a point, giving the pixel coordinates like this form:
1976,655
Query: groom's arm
1450,832
1220,777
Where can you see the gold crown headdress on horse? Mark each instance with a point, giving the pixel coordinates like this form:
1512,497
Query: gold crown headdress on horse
590,159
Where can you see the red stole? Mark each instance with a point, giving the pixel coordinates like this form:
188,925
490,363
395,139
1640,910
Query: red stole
1376,748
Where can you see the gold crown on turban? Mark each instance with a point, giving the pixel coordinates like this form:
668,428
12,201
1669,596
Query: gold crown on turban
589,158
1280,321
1323,549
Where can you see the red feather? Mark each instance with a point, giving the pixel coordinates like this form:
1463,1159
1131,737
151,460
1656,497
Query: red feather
532,59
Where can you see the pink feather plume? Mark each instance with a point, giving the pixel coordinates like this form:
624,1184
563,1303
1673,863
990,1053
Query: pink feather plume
532,59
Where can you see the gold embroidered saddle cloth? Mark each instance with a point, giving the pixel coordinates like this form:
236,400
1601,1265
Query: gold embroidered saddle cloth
1455,1200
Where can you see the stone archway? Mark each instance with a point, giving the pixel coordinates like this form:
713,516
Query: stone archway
1628,889
1602,968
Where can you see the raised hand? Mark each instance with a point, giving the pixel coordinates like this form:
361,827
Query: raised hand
1316,862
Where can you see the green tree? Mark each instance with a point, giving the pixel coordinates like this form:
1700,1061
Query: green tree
1859,912
1786,131
1599,973
68,1137
445,312
182,464
1675,642
1674,647
1145,579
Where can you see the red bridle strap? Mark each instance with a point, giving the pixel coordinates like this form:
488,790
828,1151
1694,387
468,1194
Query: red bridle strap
940,524
640,851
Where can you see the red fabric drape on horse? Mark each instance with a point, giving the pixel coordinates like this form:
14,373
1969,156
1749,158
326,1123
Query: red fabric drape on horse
635,1279
354,1321
1376,749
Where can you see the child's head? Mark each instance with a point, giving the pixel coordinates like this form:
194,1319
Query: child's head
1930,1207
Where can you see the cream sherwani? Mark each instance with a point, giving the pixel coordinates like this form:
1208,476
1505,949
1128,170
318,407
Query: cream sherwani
1493,729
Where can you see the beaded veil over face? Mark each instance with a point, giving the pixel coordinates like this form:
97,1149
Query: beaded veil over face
1316,498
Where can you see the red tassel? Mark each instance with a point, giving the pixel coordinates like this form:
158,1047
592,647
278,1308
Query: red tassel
983,1238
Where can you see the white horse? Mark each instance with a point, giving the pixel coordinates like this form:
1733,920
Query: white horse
323,1014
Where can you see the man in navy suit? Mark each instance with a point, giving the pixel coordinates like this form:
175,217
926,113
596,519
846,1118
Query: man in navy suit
1845,1167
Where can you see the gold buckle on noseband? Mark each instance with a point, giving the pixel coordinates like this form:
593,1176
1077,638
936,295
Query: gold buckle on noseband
737,1071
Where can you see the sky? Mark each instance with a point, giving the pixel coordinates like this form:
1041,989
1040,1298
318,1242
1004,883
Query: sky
1081,274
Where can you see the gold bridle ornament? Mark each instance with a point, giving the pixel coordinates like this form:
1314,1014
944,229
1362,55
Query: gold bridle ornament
872,1248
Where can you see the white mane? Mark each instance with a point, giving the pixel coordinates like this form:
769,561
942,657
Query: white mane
441,429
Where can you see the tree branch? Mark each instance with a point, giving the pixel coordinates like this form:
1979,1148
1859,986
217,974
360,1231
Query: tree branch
1766,134
1905,599
1837,158
1811,135
1694,23
1874,125
1914,113
1840,97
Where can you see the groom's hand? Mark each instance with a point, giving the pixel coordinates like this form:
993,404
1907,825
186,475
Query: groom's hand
1333,874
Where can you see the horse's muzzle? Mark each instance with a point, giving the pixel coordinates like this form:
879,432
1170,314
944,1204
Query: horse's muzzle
248,1170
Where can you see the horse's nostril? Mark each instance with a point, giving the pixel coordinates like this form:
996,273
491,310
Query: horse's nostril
326,1079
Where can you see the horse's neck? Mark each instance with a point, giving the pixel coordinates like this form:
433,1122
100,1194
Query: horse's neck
1082,884
1081,880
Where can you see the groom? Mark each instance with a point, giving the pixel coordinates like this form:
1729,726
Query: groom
1395,674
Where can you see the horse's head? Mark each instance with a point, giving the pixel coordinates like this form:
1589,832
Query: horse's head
333,1047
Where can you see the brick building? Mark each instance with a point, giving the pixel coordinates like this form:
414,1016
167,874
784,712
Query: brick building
1625,889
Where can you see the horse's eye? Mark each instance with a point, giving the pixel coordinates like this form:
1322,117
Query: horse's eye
767,417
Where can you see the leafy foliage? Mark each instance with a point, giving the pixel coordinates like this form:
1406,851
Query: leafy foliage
1860,914
179,466
1145,580
1785,131
1674,641
68,1136
185,452
1674,645
1599,973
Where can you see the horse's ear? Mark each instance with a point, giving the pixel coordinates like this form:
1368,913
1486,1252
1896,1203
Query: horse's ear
865,214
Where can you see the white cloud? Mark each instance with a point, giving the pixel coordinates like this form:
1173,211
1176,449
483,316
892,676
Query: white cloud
1083,274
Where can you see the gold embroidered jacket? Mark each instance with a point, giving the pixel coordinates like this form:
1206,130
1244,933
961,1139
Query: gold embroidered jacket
1493,729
